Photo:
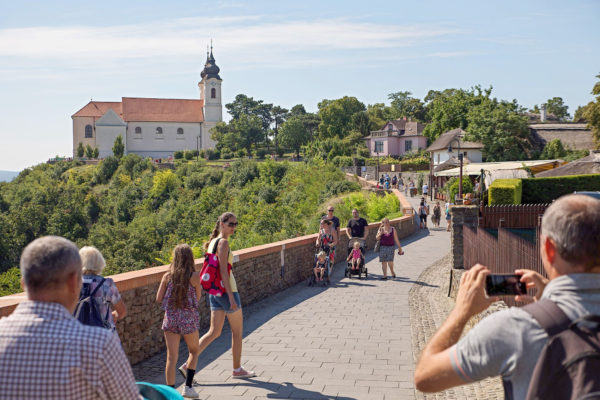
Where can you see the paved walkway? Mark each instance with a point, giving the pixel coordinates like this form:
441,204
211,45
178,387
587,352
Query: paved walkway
349,341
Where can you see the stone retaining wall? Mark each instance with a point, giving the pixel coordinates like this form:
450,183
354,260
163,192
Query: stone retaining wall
260,272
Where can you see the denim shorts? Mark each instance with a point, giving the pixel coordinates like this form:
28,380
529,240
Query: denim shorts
218,303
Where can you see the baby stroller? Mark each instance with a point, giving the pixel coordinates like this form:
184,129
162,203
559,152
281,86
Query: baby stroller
362,269
326,281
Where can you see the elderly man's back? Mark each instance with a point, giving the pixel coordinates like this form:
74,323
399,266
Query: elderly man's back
45,353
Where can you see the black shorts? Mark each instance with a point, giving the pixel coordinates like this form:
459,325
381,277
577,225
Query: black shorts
423,217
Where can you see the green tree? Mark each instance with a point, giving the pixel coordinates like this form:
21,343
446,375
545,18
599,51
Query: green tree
580,112
118,147
553,149
297,111
80,150
96,152
361,123
294,134
404,105
592,113
279,115
248,130
557,107
336,116
89,152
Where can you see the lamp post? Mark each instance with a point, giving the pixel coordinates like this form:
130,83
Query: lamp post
377,173
197,148
460,158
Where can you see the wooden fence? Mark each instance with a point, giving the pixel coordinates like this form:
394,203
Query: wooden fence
512,216
503,254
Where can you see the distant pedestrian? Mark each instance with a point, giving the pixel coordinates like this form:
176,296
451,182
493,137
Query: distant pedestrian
178,293
422,212
387,236
335,220
448,216
437,214
395,182
425,189
411,187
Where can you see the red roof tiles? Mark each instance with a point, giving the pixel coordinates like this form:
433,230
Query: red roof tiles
147,109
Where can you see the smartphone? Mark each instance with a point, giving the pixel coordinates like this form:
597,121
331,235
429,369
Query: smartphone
504,285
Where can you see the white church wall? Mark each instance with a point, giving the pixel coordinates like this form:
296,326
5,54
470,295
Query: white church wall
79,124
105,137
156,145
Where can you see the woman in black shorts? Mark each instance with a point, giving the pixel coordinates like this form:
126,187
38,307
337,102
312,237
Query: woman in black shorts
387,237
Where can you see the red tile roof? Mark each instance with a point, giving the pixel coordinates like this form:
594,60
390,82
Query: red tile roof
162,110
98,108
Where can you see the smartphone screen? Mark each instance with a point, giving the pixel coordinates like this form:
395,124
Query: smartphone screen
504,285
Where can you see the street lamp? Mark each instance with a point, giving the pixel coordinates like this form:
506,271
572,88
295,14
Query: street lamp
377,173
460,158
197,148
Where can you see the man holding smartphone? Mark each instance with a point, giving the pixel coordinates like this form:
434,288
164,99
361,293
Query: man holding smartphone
508,343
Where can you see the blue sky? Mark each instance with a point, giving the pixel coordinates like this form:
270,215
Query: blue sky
56,55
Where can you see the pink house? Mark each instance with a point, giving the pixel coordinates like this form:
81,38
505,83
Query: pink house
396,138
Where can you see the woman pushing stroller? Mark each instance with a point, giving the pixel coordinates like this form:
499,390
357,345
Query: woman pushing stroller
326,241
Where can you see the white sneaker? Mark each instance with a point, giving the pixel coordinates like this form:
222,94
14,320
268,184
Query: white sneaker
183,371
242,373
189,392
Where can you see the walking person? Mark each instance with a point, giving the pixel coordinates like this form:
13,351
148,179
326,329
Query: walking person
107,296
335,220
422,212
179,292
448,216
229,304
387,236
437,214
326,241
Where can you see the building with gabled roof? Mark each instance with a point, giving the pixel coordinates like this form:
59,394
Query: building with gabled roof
396,138
472,151
153,127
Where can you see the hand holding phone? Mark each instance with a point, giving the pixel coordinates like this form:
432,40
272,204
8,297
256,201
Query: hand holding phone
505,285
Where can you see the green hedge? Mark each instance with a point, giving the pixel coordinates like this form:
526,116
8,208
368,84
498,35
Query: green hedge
544,190
505,191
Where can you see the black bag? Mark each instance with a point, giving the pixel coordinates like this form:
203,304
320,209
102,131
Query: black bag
88,309
569,364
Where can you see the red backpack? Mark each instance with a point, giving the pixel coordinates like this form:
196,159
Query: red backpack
210,274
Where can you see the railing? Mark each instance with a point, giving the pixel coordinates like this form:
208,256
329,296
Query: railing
512,216
503,254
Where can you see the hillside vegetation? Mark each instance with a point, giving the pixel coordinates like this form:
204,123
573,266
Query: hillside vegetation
135,213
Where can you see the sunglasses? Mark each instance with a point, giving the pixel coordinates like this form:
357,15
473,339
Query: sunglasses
232,224
330,210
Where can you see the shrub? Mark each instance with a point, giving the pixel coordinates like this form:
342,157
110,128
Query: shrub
202,153
188,154
241,153
259,153
342,161
452,187
178,155
505,191
545,190
337,188
226,155
211,154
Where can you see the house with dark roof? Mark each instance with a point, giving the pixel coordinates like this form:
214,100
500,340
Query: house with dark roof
573,136
442,159
396,138
153,127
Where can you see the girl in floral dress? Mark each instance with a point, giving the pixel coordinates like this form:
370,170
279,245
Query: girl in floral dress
178,293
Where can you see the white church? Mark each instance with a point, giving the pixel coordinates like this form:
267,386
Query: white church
153,127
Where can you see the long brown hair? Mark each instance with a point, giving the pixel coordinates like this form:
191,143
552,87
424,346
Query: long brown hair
180,273
223,218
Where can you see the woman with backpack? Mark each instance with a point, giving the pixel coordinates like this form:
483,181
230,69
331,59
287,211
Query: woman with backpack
179,292
103,290
228,304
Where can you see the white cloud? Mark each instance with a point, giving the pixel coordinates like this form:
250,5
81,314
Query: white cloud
187,36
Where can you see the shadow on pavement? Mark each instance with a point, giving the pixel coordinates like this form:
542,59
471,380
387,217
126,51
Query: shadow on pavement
283,390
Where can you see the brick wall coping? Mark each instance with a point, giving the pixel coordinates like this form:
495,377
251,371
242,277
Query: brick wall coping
135,279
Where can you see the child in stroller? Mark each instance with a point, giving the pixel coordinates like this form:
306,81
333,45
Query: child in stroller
320,266
356,258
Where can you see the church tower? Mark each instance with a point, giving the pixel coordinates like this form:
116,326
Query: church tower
210,90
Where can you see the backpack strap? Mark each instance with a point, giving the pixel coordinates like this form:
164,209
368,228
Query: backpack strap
97,287
550,317
215,246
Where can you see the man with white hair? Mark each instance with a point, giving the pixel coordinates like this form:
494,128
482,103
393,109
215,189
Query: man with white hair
45,353
508,343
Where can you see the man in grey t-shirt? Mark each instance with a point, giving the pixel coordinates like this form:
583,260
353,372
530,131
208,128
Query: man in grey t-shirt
508,343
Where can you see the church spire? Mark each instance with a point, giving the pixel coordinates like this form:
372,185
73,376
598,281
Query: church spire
210,67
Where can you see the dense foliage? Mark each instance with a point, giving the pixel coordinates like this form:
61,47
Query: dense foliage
135,213
545,190
505,191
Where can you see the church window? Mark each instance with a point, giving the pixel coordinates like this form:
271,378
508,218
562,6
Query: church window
138,130
159,130
88,131
213,93
180,131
